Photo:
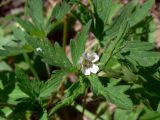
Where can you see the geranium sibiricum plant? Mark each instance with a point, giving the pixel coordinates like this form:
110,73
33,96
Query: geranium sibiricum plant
50,71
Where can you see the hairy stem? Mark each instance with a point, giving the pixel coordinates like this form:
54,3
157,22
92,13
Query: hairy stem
87,113
27,59
91,4
65,25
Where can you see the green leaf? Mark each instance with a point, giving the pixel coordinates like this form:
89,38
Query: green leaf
44,116
13,51
7,85
16,94
21,109
35,10
30,28
138,46
30,87
122,19
126,114
111,93
151,115
145,59
114,45
103,8
4,66
7,41
19,36
141,12
116,7
53,84
60,10
102,12
5,112
141,53
78,47
35,89
57,15
158,108
77,91
118,97
53,55
128,75
96,85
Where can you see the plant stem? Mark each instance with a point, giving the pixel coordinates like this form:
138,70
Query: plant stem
27,59
7,104
87,113
65,25
47,69
91,4
84,101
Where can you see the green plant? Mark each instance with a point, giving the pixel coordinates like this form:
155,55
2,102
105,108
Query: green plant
121,68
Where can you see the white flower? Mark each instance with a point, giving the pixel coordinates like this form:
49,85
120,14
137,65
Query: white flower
38,49
87,63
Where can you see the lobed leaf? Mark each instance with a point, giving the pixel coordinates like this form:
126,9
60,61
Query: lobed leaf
122,19
141,53
114,45
4,66
111,94
29,87
141,12
53,84
35,10
103,8
60,11
53,55
78,47
79,89
127,114
31,28
150,115
102,13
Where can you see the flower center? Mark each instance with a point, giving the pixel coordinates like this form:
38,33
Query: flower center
87,63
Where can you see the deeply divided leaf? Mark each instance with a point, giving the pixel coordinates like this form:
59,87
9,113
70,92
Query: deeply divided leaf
29,87
142,53
78,47
112,94
35,10
60,11
141,12
53,84
53,55
122,19
78,89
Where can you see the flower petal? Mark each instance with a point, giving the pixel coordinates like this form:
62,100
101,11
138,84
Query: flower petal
86,71
94,68
96,58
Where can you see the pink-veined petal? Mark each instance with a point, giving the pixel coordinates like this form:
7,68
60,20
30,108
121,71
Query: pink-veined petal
96,58
94,68
86,71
